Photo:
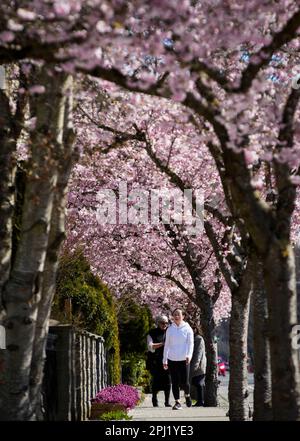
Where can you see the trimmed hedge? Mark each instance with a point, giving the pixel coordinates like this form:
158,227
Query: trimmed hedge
83,300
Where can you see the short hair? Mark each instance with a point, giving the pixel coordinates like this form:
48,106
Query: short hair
161,318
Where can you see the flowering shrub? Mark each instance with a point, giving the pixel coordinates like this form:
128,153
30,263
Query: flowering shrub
123,394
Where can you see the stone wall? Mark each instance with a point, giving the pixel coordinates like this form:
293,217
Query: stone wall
75,370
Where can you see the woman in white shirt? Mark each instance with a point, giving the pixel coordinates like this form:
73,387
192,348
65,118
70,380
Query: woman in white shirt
178,351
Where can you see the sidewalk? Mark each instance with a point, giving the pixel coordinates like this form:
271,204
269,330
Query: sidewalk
146,412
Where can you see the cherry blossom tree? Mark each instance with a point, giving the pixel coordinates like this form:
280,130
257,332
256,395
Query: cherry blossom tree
209,80
141,247
234,256
29,258
232,68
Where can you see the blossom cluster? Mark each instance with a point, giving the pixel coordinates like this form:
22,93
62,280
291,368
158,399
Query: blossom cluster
119,394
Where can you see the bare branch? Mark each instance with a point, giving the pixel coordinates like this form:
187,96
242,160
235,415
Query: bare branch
228,275
167,277
287,33
286,189
217,286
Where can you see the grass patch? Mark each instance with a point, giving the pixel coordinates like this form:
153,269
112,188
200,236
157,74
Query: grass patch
115,415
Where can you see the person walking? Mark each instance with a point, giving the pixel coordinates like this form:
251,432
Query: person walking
178,351
198,365
160,377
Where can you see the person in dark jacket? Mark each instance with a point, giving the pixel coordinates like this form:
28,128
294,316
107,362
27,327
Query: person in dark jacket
198,366
155,343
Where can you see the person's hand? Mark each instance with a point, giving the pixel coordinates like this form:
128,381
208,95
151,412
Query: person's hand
187,360
165,366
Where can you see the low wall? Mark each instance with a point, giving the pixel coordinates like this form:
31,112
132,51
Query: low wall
75,370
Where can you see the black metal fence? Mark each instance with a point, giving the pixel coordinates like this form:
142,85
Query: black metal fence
75,370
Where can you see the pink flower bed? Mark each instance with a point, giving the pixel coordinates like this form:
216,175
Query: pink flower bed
123,394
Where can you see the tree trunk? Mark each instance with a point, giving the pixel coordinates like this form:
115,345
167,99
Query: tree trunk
238,381
11,123
10,128
56,236
280,282
262,365
238,332
7,178
211,379
270,231
23,290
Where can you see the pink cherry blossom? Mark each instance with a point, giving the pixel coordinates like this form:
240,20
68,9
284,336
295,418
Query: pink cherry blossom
25,14
62,8
37,89
7,36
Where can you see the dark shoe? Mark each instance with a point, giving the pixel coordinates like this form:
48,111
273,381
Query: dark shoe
177,406
197,404
188,401
154,402
168,405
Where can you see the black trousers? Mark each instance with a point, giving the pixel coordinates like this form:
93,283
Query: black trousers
199,383
160,381
180,373
167,395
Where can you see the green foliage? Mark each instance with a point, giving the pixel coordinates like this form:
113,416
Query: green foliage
142,397
83,300
135,321
115,415
134,371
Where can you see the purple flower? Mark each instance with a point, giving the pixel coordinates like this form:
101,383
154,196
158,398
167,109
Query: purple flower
123,394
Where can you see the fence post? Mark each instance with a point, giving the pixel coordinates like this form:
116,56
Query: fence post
73,398
2,337
78,371
75,374
2,78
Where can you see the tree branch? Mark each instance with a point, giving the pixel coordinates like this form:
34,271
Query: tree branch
286,189
227,274
287,33
167,277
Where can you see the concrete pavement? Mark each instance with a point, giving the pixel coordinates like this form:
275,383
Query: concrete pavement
146,412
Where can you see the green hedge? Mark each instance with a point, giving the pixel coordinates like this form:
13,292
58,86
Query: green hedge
135,321
134,371
92,306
